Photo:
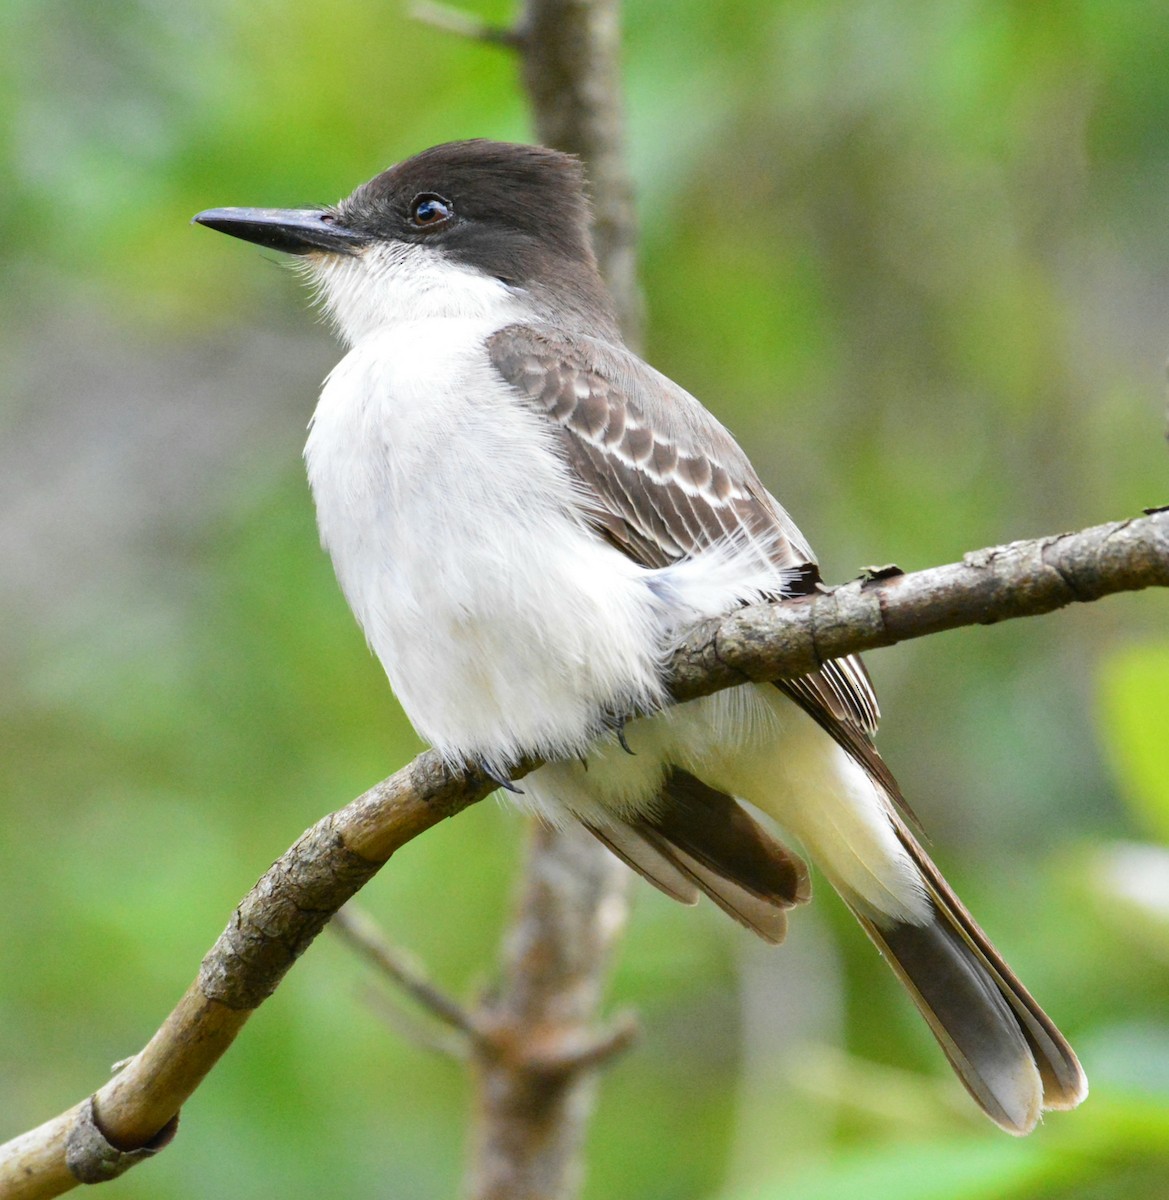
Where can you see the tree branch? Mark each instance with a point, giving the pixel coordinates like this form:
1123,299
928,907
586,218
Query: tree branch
360,931
295,898
446,1043
463,24
535,1073
1021,579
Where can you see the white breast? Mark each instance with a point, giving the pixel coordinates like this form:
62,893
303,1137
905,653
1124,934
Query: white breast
504,624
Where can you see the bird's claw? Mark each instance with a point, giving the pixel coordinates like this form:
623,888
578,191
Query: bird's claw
618,727
497,776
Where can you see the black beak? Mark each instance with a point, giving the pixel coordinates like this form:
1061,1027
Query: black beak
293,230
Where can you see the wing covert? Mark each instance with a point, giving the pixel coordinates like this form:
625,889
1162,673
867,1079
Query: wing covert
662,480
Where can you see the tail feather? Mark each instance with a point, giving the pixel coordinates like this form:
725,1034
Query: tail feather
973,1023
765,916
689,836
1002,1045
698,839
711,827
1064,1083
653,864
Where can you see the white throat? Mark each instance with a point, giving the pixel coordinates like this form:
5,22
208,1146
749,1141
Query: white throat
390,283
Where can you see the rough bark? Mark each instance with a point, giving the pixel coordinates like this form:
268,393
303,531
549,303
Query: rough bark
1021,579
296,896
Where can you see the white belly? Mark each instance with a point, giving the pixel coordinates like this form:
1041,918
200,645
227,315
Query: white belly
504,624
508,627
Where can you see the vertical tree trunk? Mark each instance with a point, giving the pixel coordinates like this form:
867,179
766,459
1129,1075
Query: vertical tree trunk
535,1072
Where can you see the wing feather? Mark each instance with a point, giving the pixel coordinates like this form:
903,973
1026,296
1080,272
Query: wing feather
662,480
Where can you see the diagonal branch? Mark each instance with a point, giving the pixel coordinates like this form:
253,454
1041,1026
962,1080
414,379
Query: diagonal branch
360,930
464,24
296,897
1021,579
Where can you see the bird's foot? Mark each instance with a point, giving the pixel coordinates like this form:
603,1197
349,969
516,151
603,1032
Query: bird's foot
495,774
617,725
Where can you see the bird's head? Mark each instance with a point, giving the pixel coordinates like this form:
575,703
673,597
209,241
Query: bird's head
475,228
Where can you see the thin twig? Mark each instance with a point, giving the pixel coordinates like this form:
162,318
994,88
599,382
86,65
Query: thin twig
594,1051
359,929
464,24
445,1042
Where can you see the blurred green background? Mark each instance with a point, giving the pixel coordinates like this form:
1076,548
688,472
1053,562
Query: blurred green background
915,254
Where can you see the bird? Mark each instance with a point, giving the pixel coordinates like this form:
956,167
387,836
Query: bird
526,518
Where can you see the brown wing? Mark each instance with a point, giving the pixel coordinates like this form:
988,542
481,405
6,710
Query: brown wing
662,479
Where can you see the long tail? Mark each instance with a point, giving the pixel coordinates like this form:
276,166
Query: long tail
842,803
1002,1045
825,784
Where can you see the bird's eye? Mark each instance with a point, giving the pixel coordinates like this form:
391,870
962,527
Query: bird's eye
428,211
